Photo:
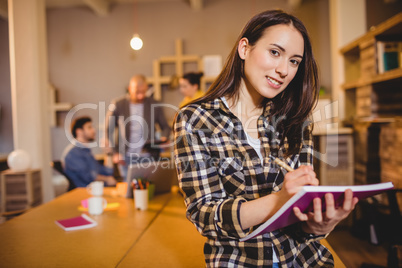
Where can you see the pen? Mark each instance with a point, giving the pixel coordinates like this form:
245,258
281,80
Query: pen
134,183
281,163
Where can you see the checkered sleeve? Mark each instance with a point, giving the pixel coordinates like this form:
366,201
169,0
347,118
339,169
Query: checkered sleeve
209,208
307,148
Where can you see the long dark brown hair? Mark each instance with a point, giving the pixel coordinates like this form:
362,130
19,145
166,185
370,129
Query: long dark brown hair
296,102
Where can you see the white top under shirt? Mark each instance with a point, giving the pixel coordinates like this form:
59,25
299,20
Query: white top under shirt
256,144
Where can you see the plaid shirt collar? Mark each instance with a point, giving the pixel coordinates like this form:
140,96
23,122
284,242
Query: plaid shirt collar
265,127
218,104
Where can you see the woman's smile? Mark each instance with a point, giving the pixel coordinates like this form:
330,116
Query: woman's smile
274,83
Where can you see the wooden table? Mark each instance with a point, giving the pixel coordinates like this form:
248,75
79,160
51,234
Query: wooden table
170,241
34,240
125,237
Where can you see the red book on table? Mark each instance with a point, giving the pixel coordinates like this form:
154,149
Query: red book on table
76,223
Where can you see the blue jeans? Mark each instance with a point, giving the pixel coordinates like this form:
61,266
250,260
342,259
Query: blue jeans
275,265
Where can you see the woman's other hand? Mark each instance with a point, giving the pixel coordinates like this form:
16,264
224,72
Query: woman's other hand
319,222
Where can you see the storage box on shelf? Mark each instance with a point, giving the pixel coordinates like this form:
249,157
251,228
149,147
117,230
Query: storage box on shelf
365,98
368,66
20,189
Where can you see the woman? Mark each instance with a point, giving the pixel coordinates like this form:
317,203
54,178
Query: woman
189,86
258,106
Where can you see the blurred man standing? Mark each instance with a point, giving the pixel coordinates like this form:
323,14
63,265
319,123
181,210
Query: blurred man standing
131,123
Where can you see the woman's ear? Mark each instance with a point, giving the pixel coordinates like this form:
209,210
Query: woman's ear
242,48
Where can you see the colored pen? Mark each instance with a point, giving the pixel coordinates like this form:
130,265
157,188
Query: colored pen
134,184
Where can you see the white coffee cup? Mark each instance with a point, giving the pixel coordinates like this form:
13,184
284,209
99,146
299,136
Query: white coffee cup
141,199
95,188
96,205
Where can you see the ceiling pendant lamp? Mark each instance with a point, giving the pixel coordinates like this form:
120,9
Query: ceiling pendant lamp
135,42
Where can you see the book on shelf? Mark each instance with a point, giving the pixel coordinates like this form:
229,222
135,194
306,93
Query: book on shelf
304,201
389,55
77,223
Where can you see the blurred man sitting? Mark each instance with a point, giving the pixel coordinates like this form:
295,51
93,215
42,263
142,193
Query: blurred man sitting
78,161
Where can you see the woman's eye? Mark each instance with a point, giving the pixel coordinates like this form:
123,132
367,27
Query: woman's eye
295,62
274,52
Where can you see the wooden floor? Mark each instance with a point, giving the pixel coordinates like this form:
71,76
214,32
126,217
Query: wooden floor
355,252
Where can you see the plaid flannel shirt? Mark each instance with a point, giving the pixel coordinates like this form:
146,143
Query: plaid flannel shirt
218,171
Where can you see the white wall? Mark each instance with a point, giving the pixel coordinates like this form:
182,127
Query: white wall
90,60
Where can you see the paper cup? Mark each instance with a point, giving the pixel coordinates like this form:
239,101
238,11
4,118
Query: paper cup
96,205
141,199
95,188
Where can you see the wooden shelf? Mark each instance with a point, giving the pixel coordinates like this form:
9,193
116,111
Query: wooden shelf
377,120
392,26
387,76
369,93
372,99
179,60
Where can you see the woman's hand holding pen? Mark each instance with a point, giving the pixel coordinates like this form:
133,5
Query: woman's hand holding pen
294,181
251,213
320,223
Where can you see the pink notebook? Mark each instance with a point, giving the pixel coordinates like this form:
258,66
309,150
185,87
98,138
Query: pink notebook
76,223
304,201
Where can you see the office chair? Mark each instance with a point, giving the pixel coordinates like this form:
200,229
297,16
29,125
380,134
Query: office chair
59,168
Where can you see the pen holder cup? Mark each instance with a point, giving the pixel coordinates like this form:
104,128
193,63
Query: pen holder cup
141,199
